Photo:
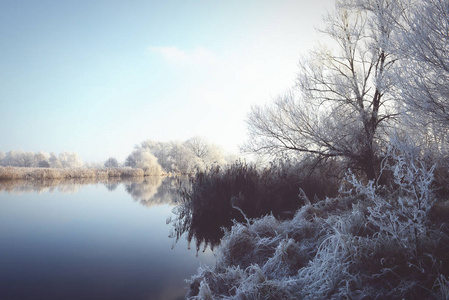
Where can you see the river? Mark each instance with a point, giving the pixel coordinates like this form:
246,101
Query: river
86,240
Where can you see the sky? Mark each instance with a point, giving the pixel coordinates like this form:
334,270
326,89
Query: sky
97,77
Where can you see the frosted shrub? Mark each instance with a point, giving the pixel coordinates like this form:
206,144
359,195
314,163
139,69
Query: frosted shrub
403,213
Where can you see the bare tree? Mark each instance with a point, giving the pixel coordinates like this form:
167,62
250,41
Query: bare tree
343,97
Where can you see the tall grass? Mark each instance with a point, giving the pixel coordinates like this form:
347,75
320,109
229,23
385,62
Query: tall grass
8,173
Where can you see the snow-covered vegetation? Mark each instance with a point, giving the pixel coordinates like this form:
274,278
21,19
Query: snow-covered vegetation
373,242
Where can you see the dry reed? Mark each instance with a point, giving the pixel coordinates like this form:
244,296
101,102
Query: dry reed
13,173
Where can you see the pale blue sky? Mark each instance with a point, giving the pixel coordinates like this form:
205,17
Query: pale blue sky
99,76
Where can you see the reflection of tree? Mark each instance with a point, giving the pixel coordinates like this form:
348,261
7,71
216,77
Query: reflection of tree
62,185
149,191
154,190
111,186
44,185
145,190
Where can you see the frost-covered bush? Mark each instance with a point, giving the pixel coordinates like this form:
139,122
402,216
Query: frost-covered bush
372,242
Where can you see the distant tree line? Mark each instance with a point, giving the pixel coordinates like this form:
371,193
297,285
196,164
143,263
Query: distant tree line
40,159
153,157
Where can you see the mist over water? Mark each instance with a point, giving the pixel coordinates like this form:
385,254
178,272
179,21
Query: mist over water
84,240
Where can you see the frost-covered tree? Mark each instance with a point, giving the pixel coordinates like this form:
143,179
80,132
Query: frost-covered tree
143,159
26,159
159,149
42,159
198,146
70,160
184,157
206,154
111,163
342,100
19,159
54,161
424,70
181,159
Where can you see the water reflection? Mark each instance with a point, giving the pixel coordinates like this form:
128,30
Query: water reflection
205,231
200,224
148,191
19,186
201,228
86,241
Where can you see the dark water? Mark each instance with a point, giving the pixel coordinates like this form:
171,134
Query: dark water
91,241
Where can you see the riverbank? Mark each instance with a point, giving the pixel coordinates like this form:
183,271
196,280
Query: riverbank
370,242
10,173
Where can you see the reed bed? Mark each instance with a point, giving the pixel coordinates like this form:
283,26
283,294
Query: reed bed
14,173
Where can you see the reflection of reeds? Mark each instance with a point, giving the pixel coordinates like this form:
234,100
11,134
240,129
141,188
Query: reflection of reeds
63,185
53,173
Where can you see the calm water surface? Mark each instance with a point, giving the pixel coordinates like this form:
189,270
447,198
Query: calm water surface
94,241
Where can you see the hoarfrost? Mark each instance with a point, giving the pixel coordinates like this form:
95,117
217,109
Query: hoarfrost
372,242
